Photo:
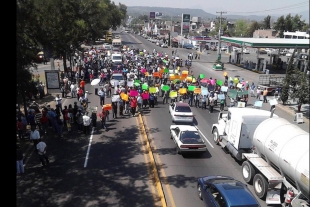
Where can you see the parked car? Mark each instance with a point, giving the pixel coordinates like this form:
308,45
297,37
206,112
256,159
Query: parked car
187,139
262,51
223,48
217,190
188,46
246,51
284,52
181,112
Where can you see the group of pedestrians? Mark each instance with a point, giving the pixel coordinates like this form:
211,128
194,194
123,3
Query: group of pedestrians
145,81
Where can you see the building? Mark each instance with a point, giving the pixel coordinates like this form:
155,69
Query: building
296,35
265,33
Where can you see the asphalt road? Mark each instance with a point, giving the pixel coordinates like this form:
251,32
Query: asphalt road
180,172
109,168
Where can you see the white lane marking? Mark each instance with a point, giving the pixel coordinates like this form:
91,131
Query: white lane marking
204,136
88,149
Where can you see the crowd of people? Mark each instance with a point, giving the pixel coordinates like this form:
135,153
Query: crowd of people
148,77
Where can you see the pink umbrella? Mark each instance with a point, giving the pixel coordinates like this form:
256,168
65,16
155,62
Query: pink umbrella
143,70
212,82
205,80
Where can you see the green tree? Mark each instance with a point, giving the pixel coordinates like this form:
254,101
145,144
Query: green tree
27,48
266,22
297,23
288,79
300,88
280,26
241,27
288,23
251,29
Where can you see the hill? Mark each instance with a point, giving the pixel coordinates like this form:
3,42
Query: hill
167,11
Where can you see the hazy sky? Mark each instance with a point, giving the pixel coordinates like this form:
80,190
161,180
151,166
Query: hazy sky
241,7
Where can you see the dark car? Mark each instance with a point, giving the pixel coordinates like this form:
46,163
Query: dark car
188,46
217,190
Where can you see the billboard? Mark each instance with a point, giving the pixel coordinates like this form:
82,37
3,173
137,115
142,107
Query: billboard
152,15
158,15
185,23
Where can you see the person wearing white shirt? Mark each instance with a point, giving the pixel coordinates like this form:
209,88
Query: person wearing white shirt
34,136
86,123
73,90
58,101
139,103
41,147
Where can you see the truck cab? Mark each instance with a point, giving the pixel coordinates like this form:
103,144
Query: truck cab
234,130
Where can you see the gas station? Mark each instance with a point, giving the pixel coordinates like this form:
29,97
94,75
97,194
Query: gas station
274,43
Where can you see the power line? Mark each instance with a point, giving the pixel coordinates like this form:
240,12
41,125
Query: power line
293,6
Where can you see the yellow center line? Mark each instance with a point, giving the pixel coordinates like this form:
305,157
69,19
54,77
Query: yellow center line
161,170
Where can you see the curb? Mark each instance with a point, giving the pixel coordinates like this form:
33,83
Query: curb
286,109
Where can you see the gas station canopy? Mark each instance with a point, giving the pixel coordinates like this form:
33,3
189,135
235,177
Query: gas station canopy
267,43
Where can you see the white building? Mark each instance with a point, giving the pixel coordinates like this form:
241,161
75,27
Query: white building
296,35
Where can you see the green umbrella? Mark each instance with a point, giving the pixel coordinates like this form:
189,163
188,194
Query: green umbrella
166,70
191,88
165,61
137,81
219,82
165,88
202,76
144,87
175,80
136,84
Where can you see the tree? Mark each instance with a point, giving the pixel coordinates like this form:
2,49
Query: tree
251,29
279,26
300,88
298,24
288,79
266,22
241,27
288,23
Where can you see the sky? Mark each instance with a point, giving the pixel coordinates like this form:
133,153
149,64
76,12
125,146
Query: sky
232,7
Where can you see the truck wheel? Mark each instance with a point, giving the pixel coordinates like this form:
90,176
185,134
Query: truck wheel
260,185
216,137
248,171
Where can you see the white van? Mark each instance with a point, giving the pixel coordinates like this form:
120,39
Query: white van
117,58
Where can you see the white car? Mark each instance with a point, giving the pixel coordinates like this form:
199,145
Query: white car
187,139
224,48
164,45
181,112
246,51
117,79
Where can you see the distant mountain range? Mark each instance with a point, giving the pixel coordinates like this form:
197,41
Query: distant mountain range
166,11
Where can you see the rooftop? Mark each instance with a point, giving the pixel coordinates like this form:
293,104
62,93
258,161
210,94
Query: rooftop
267,43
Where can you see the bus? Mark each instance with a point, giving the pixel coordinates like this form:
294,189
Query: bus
108,37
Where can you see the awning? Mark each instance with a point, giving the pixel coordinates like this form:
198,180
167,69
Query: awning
267,42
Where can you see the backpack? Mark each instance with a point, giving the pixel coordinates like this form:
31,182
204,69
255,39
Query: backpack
222,101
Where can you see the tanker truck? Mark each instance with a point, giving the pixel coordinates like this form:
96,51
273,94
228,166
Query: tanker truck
274,153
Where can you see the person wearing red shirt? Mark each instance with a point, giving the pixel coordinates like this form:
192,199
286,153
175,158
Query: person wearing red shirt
82,84
79,94
44,122
20,128
133,105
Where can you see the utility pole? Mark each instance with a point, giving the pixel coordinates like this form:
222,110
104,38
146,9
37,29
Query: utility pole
220,33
